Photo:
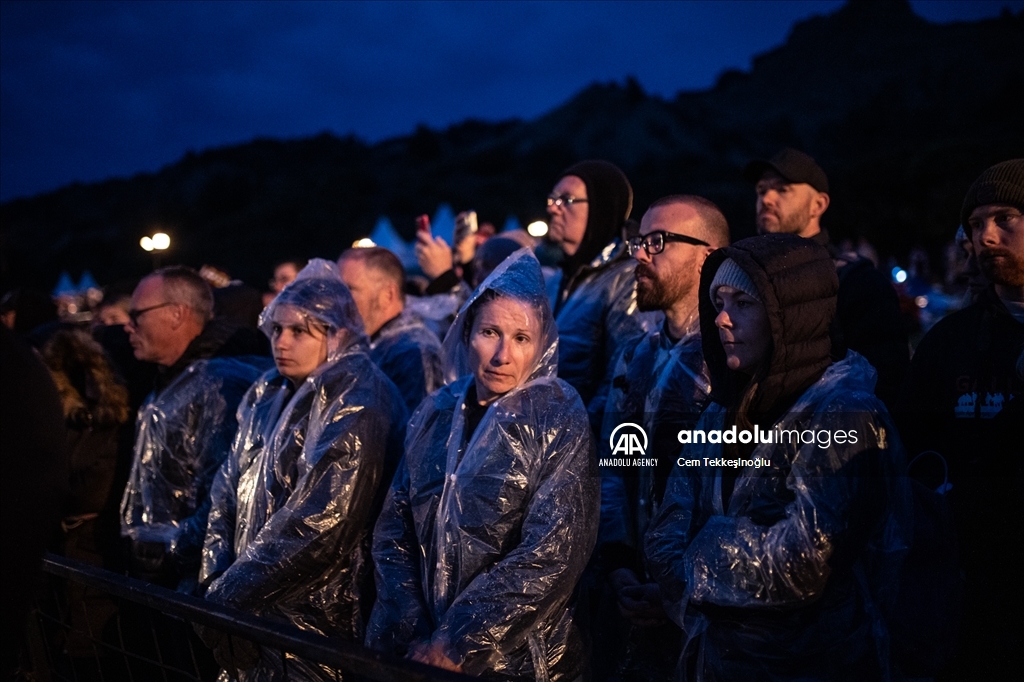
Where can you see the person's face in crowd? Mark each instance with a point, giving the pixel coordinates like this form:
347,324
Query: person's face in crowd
788,208
568,208
284,274
109,315
154,322
976,280
367,287
300,345
503,345
997,232
743,329
664,278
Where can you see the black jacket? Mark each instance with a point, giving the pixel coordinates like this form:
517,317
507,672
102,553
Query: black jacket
964,399
868,320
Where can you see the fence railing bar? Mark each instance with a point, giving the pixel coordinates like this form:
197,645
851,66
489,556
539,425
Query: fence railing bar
331,651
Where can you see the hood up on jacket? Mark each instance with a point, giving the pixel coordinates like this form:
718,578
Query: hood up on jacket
609,202
797,284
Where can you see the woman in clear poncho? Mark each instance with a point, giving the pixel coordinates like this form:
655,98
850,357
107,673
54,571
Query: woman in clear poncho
781,561
319,435
493,513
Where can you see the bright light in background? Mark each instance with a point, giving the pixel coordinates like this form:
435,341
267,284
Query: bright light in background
158,242
364,243
899,274
537,228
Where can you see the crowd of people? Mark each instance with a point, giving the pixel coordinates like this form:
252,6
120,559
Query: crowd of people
600,471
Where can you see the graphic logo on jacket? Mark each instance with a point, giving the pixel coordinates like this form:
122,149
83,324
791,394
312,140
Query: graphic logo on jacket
628,439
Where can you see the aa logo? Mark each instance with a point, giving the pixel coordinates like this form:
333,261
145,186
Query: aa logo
628,439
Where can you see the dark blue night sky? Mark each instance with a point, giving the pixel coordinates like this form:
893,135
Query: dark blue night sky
104,89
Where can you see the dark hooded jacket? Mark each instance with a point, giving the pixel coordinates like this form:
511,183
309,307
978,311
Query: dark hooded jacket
293,505
595,306
183,433
787,577
410,355
486,530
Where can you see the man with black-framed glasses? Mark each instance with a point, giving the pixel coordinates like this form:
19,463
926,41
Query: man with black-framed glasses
185,426
659,382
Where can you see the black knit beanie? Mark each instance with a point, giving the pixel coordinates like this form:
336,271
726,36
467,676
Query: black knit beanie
609,201
1003,183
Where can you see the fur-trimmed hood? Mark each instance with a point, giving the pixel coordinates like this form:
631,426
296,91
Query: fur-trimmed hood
89,392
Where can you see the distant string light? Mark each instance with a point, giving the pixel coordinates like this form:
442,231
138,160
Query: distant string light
364,243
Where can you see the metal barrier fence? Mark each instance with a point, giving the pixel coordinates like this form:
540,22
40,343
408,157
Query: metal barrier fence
94,625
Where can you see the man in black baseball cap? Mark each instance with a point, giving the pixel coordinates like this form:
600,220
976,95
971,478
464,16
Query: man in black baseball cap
792,194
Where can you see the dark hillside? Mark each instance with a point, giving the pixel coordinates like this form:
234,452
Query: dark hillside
901,113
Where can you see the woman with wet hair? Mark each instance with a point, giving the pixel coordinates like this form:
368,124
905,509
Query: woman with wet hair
776,554
493,513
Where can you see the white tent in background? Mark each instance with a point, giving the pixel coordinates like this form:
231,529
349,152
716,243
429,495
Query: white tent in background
65,286
512,223
384,234
443,223
87,282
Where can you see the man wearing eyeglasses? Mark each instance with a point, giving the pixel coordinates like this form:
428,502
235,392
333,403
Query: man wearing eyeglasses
595,304
185,426
792,195
661,383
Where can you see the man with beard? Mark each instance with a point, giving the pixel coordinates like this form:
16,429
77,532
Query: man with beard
792,195
963,400
660,382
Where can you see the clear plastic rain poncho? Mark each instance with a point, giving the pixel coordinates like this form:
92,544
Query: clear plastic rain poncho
182,436
790,577
481,543
775,568
597,319
663,387
293,505
438,310
410,355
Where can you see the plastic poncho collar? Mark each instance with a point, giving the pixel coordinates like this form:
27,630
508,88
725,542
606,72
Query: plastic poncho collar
319,293
410,355
609,202
519,277
797,285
